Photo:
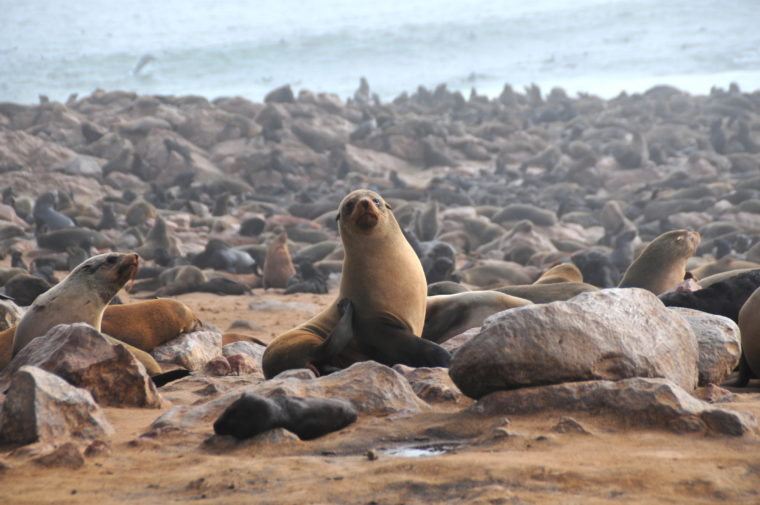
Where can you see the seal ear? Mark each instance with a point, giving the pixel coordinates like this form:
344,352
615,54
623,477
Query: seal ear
388,206
337,216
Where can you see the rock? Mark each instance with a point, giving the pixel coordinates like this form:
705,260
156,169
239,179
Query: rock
283,94
301,374
457,341
319,139
86,166
191,350
569,425
719,341
40,406
243,364
609,334
66,456
82,356
431,384
20,150
637,401
217,367
255,351
372,388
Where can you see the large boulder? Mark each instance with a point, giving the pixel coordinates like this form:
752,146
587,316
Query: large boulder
40,406
636,401
609,334
719,341
81,355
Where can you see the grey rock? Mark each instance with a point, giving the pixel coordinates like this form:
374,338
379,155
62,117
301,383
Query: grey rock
431,384
719,341
637,401
82,356
40,406
67,455
255,351
191,350
609,334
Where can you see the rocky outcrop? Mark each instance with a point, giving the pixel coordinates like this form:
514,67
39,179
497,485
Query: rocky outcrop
82,356
40,406
610,334
638,402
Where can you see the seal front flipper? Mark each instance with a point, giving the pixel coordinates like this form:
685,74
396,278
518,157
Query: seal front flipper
745,374
165,378
338,339
392,344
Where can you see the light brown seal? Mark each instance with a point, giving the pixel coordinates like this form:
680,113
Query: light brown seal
380,310
82,297
146,325
662,264
749,327
278,266
564,272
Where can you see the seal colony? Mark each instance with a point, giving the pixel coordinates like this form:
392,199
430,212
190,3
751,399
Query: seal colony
514,203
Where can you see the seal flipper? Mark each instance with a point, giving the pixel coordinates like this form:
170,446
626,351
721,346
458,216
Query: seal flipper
165,378
339,338
392,344
745,374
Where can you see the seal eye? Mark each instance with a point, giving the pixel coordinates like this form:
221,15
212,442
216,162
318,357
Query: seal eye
111,260
349,206
377,202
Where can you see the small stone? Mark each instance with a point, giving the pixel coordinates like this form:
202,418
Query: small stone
372,455
66,456
97,448
191,350
569,425
218,367
243,364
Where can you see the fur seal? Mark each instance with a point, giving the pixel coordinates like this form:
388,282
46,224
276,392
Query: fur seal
749,327
278,267
450,315
662,264
308,418
379,317
564,272
81,297
546,293
146,325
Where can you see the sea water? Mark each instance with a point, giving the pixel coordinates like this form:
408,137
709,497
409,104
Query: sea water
238,47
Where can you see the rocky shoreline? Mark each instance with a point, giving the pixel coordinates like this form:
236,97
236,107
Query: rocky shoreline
492,193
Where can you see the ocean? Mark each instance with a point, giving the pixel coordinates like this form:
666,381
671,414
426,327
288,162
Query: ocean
236,47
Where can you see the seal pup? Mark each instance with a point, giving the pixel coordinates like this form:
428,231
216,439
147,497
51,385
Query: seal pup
278,266
662,264
308,418
375,315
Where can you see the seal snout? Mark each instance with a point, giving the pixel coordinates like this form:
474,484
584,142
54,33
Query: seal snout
366,214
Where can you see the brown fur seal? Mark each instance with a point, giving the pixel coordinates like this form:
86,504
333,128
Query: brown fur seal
749,327
82,297
376,314
546,293
278,267
449,315
146,325
662,264
6,345
564,272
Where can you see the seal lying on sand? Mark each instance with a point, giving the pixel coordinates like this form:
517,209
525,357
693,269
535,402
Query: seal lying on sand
383,294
